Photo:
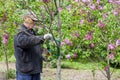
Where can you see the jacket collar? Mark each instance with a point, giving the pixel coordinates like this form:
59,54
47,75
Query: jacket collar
24,28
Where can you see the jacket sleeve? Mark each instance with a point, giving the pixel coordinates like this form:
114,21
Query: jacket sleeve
25,41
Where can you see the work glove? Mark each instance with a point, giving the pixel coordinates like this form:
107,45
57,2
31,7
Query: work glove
48,36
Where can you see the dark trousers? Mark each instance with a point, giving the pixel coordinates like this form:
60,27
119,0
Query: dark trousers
27,77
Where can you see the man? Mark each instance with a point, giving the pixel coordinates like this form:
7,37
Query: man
28,51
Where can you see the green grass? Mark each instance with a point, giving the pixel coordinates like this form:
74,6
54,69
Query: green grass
79,65
84,65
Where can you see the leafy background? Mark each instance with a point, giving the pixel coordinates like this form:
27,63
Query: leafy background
87,27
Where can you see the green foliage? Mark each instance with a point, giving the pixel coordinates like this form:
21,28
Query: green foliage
101,36
81,65
10,74
77,18
9,19
53,64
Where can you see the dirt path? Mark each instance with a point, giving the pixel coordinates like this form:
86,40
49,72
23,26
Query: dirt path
68,74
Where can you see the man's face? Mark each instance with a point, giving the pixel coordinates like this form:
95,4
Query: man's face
30,21
32,25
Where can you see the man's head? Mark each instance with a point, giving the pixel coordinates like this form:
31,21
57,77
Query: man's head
30,19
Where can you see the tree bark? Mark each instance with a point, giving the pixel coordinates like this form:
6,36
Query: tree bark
59,55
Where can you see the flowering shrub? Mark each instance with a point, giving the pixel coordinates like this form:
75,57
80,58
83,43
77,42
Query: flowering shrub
90,28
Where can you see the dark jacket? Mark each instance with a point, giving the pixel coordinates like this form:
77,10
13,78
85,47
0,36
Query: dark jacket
28,51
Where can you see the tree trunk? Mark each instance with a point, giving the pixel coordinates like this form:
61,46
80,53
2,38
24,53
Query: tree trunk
108,63
6,57
59,68
58,48
108,73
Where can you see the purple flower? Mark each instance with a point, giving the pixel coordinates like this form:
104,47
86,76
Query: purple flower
105,16
46,1
69,7
114,1
76,34
118,2
5,41
88,13
98,2
115,13
110,1
60,9
84,1
92,45
90,32
62,43
67,41
82,11
82,21
75,55
93,7
112,56
118,42
101,24
88,37
111,47
68,56
5,38
100,7
76,0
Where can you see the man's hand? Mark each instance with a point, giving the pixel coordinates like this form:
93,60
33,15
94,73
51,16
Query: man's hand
48,36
